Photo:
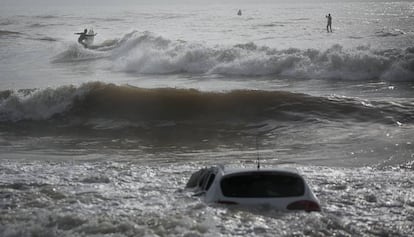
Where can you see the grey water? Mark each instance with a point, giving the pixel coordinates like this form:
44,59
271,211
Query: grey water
100,141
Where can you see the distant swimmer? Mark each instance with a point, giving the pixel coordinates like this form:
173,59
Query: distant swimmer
239,13
329,25
85,38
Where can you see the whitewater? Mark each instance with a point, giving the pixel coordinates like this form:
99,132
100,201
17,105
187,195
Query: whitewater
100,141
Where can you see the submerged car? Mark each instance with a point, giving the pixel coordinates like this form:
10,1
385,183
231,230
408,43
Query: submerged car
282,189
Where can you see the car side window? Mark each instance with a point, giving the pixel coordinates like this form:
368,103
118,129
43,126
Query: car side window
210,181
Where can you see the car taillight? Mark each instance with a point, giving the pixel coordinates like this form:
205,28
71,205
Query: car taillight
305,205
226,202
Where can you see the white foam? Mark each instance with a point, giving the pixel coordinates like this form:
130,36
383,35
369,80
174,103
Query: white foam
139,198
39,104
76,53
150,54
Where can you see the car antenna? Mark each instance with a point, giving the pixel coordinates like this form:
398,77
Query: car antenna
258,157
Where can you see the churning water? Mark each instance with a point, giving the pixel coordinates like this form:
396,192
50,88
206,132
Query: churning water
100,141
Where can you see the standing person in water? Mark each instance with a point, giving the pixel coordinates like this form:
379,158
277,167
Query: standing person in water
329,25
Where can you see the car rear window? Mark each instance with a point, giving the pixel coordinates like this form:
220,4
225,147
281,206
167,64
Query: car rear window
262,185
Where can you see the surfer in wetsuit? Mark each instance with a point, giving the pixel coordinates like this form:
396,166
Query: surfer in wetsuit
329,25
83,37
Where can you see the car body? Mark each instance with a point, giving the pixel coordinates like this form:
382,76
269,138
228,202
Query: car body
279,188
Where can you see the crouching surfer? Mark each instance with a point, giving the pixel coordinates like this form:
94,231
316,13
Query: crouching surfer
85,37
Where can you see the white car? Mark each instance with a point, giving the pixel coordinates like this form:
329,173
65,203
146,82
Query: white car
282,189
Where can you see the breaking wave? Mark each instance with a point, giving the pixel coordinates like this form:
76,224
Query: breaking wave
132,106
150,54
77,53
147,53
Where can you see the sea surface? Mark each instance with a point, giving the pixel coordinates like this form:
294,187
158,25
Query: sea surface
101,141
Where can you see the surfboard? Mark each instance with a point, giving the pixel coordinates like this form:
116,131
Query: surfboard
90,36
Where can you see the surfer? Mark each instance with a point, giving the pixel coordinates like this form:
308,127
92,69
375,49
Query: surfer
83,37
329,25
239,13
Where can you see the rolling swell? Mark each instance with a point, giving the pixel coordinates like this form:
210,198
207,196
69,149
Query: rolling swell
9,33
109,106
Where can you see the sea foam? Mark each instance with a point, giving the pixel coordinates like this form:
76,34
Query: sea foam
148,53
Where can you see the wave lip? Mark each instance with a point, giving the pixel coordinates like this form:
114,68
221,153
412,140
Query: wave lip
148,53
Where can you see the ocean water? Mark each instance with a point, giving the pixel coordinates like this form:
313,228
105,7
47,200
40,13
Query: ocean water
101,141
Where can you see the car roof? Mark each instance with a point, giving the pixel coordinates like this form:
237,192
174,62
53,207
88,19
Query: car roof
230,171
